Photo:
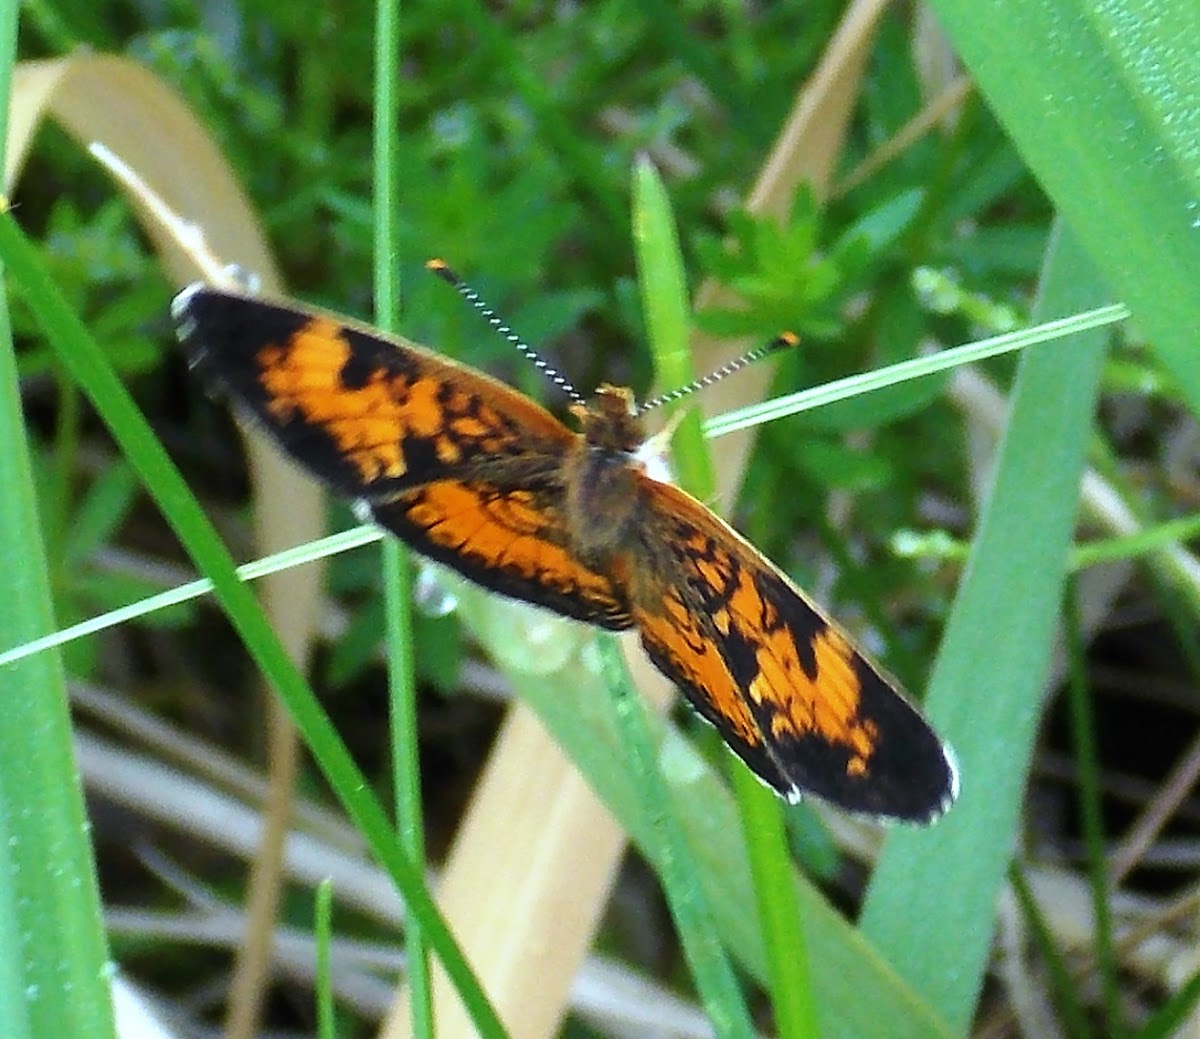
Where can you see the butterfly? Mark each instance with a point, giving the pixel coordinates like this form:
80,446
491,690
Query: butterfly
477,476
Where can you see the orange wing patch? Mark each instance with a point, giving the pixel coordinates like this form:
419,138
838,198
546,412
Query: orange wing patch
833,700
368,424
683,645
371,422
514,541
804,681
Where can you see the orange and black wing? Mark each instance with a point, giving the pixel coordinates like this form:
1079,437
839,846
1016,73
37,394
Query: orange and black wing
683,644
784,686
368,414
459,465
509,538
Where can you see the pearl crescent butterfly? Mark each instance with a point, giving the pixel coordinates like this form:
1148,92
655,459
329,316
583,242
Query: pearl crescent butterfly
477,476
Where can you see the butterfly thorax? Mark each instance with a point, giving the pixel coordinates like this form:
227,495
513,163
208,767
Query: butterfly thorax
602,474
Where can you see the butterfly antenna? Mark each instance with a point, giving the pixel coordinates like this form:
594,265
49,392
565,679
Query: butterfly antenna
783,341
439,268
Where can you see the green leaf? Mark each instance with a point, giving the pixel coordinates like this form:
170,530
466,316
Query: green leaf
102,510
1100,100
836,465
1170,1017
664,299
54,976
986,690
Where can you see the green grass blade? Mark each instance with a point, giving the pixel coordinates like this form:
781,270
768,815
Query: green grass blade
1064,989
90,369
665,304
1087,761
1153,538
664,298
397,567
52,947
1169,1018
793,1000
931,902
272,564
916,368
53,954
1100,99
672,856
660,267
323,935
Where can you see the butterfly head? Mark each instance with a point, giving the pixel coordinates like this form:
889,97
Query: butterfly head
609,421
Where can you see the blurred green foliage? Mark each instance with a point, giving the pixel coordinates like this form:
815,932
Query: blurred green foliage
519,129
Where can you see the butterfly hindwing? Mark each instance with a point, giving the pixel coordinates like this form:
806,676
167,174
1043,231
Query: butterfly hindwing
513,540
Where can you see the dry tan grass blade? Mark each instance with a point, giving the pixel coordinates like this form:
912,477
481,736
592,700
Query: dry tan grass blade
525,885
805,151
139,118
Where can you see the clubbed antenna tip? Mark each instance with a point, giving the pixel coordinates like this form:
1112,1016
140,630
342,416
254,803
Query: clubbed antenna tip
783,341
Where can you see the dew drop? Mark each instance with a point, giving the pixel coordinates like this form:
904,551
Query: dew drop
432,594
